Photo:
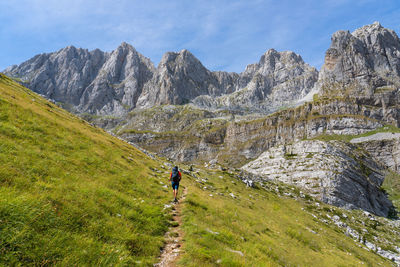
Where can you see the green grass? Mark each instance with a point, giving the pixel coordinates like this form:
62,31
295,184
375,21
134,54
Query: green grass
269,230
385,129
70,194
392,186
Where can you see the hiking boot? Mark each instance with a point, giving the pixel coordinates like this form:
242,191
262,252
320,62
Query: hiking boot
175,200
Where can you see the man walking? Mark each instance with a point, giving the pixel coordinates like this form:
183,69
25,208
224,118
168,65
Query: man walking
175,178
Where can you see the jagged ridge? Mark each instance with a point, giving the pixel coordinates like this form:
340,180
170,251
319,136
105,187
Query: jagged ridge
114,83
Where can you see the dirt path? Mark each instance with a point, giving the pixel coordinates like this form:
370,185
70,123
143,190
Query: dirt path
174,236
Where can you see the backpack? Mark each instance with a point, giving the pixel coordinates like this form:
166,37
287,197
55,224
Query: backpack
175,175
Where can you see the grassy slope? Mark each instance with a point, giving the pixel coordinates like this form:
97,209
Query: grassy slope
348,137
392,187
266,228
71,194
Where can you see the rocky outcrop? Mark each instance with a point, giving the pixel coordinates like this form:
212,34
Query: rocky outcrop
248,139
362,62
384,147
335,172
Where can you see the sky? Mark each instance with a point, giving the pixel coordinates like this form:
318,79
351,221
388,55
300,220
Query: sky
223,34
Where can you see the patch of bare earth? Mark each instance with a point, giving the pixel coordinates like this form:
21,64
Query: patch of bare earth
174,236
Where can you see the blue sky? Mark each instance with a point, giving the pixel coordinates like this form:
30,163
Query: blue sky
223,34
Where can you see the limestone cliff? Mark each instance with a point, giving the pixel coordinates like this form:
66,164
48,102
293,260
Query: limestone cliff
335,172
361,63
383,147
234,138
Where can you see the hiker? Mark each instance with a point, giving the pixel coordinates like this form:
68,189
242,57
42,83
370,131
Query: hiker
175,178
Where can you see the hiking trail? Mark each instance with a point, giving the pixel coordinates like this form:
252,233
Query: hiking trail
174,236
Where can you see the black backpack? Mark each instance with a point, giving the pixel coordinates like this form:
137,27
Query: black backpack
175,175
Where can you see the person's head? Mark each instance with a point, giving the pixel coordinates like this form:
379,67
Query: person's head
175,168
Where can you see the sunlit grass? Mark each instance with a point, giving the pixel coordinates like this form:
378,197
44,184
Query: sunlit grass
258,228
71,194
348,137
392,186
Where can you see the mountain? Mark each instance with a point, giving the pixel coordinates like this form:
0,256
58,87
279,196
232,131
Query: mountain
114,83
118,84
71,194
278,79
88,81
180,77
61,76
362,62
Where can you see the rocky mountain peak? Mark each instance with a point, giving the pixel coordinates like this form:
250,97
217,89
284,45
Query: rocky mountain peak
179,59
69,50
341,39
273,60
126,45
271,53
361,62
124,62
186,53
370,29
119,83
276,80
285,56
167,57
180,77
123,49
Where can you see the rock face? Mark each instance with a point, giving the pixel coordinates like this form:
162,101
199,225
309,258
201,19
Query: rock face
335,172
384,147
181,77
361,62
114,83
119,83
61,76
88,81
193,134
278,79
